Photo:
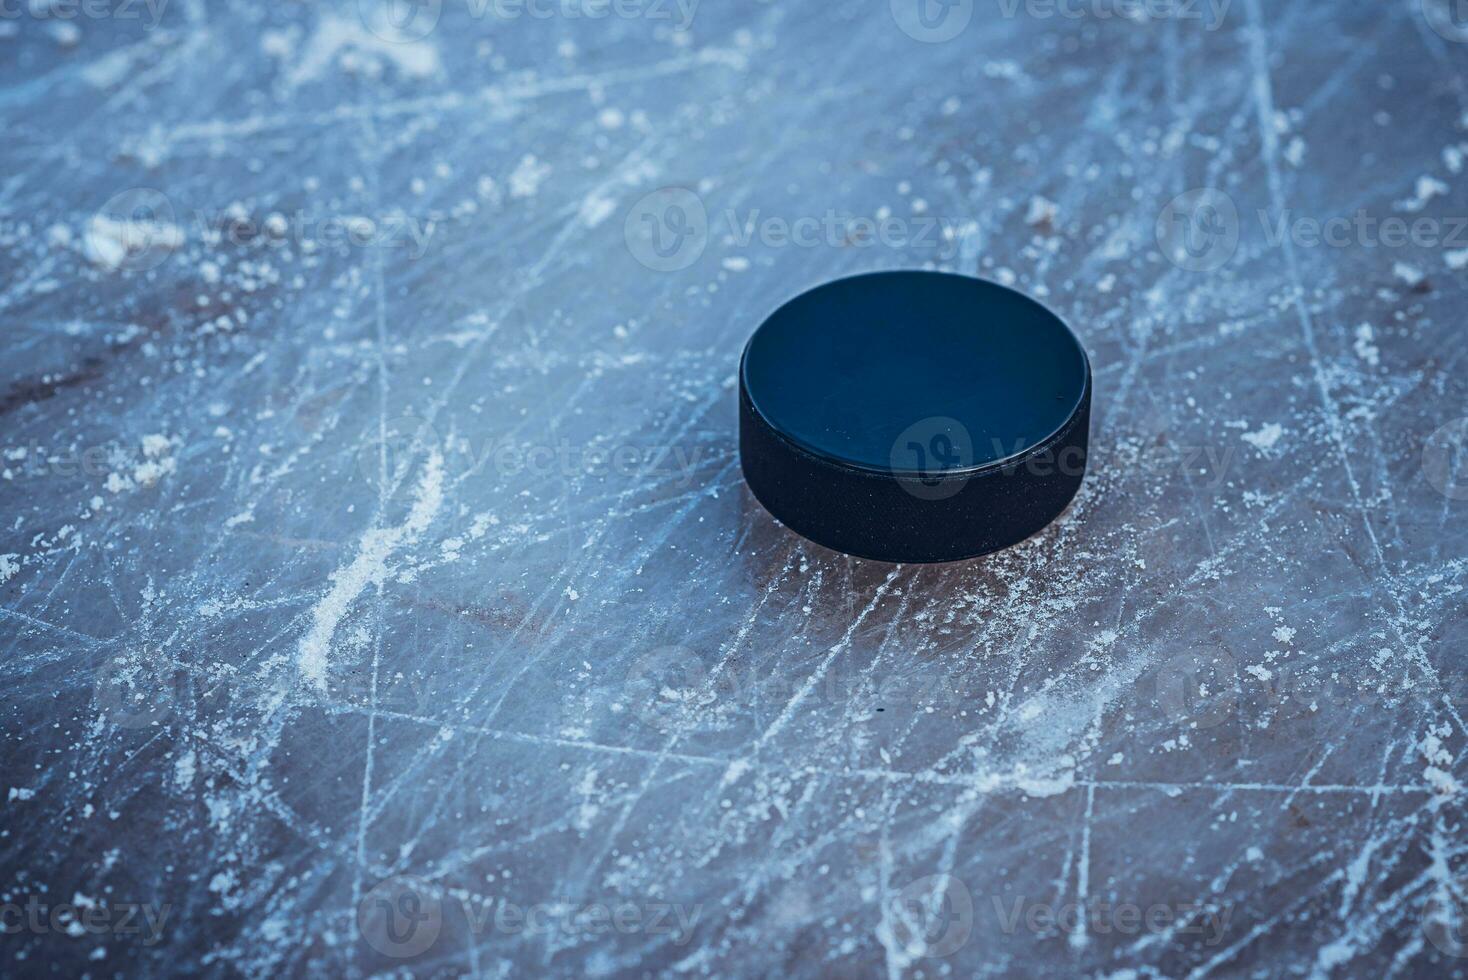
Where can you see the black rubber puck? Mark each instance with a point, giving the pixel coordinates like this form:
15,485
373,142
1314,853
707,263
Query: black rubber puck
914,416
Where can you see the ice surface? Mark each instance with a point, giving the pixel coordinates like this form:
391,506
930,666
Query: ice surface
375,552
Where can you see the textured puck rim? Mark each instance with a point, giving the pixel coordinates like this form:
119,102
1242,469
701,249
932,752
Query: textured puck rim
956,475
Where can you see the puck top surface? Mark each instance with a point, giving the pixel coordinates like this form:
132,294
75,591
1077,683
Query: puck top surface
849,370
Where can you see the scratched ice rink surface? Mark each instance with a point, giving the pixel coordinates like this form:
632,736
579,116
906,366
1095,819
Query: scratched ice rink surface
380,591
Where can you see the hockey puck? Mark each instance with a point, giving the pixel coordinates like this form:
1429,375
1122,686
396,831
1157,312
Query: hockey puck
914,416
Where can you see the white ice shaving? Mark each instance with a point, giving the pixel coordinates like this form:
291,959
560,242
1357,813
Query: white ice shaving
369,567
345,39
1266,437
110,242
